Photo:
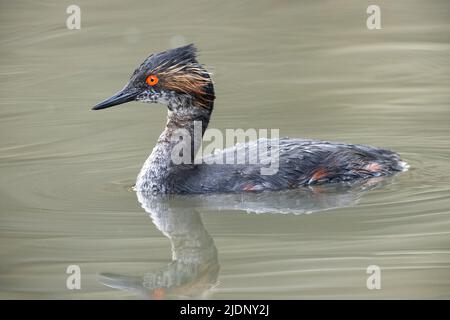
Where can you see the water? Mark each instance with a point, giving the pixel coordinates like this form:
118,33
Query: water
310,68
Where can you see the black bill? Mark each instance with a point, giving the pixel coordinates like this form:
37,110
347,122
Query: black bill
120,97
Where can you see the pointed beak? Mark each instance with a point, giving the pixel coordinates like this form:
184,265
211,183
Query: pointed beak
123,96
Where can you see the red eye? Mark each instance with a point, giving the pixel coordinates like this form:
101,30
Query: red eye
152,80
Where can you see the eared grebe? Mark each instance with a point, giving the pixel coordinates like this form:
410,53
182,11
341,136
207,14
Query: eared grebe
175,78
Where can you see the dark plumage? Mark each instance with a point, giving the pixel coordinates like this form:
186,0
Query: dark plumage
178,71
186,88
301,163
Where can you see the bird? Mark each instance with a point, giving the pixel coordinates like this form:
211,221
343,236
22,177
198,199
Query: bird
176,79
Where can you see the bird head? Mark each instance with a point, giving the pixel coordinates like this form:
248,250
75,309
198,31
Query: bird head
173,77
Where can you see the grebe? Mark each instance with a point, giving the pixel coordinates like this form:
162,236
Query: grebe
176,79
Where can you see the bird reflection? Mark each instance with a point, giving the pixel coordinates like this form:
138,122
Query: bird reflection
194,269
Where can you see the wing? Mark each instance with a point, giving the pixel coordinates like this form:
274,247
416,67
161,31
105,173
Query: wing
284,164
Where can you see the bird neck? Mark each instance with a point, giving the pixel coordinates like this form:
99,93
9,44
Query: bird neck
177,145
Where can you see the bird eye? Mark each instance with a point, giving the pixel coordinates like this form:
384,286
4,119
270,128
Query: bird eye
152,80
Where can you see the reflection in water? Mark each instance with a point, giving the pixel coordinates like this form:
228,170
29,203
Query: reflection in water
194,269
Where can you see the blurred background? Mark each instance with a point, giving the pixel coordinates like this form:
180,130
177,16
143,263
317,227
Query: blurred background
309,68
